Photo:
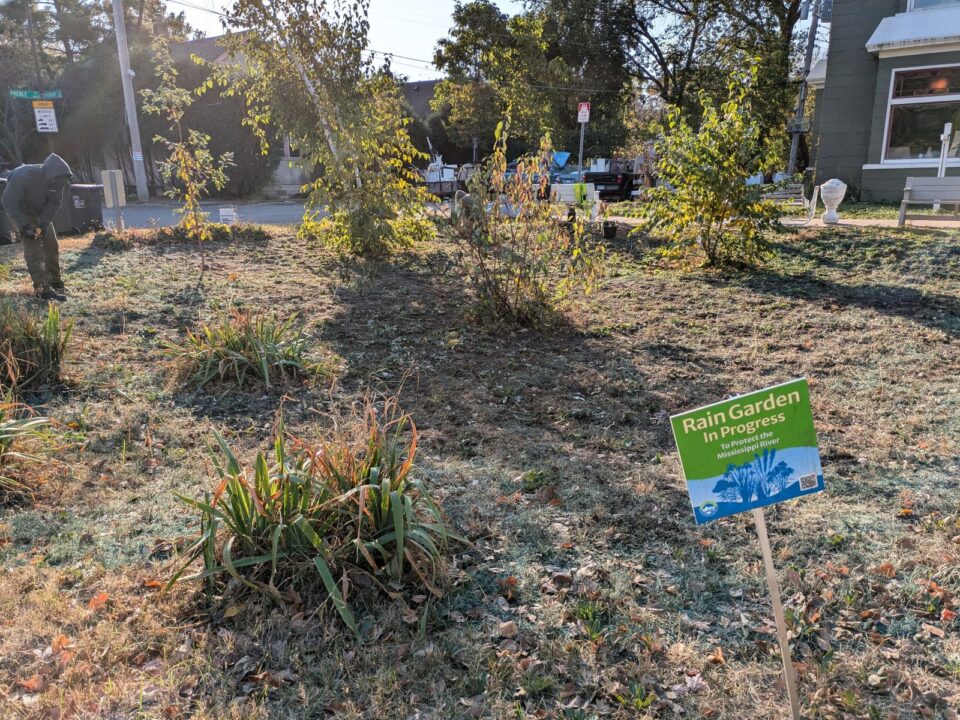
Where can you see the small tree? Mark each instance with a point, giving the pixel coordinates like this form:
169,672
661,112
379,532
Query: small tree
703,199
190,167
309,74
519,259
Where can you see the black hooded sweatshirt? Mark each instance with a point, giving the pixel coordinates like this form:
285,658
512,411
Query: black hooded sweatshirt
34,192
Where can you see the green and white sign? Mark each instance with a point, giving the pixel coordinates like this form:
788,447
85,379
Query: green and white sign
36,94
750,451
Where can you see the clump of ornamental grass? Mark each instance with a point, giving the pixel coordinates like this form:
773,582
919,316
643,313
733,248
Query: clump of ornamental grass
113,240
18,426
249,349
32,348
317,516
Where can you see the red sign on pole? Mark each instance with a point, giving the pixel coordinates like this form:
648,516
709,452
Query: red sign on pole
583,113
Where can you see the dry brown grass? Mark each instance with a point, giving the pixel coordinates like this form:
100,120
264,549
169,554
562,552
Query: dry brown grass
552,452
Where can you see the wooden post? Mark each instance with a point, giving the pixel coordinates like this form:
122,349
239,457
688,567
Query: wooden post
774,586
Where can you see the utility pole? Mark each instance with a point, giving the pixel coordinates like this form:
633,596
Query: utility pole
36,61
797,130
129,100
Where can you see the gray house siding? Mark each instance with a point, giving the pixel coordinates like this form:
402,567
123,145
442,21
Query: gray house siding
851,114
849,96
887,185
815,126
884,74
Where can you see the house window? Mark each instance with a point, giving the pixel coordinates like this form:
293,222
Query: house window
927,4
922,102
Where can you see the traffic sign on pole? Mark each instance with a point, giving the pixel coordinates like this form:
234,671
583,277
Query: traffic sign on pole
45,116
583,117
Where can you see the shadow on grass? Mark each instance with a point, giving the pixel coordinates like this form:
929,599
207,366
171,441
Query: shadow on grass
903,256
559,401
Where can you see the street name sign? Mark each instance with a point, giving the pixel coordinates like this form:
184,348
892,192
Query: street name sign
749,451
36,94
45,116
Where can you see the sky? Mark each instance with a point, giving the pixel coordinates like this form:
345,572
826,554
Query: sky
408,29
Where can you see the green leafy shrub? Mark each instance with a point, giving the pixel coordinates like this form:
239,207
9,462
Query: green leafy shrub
307,73
191,169
18,423
31,349
341,507
518,257
249,349
702,199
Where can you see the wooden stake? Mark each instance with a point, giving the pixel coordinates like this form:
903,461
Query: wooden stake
774,587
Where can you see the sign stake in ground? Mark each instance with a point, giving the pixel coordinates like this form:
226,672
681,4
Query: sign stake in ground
583,117
774,587
746,453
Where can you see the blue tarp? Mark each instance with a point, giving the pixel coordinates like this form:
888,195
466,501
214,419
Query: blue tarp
560,158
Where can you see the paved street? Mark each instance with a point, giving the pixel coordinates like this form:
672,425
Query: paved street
162,214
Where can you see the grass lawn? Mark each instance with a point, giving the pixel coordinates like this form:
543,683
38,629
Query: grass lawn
587,590
887,211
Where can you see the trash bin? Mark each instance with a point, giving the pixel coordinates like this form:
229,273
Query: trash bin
86,212
61,221
7,230
80,210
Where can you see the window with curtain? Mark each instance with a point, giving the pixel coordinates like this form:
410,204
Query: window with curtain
922,103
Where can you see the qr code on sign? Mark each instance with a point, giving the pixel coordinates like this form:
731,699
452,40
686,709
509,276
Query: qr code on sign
808,482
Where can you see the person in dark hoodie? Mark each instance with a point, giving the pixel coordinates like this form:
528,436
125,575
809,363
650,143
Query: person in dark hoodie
32,197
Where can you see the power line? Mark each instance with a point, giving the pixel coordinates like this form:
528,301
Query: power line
197,7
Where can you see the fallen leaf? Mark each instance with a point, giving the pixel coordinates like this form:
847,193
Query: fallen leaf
717,656
230,612
272,679
933,629
98,602
60,643
154,666
508,629
947,616
886,570
34,684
